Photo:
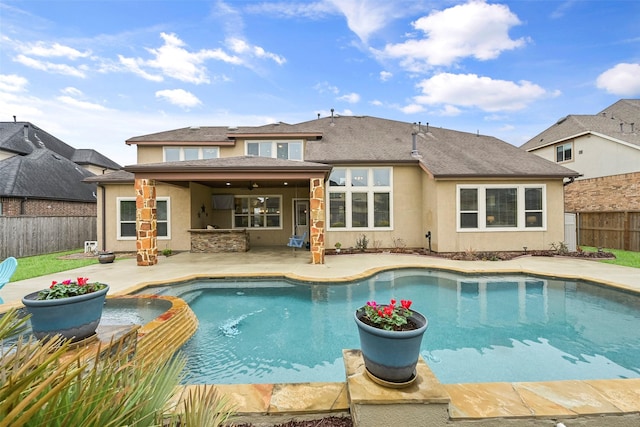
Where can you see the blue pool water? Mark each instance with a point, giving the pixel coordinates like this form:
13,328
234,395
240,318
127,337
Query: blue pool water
481,329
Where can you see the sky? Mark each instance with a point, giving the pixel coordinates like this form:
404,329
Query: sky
95,73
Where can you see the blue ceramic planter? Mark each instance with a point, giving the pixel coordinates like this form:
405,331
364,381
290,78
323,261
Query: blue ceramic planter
391,356
74,318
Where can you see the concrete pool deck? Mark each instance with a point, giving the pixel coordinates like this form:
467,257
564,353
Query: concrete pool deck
583,403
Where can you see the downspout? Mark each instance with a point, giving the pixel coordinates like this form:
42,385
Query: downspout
104,219
571,179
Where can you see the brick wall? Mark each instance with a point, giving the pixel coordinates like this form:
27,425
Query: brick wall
36,207
609,193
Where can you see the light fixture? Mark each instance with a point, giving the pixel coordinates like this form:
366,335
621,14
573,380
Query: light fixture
255,185
228,183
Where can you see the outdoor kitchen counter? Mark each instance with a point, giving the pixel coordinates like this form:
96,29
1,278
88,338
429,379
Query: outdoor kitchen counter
219,240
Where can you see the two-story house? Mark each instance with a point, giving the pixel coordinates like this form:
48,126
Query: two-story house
336,179
605,149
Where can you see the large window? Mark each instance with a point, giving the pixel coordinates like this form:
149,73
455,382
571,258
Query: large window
127,218
257,211
177,154
359,198
564,152
500,207
287,150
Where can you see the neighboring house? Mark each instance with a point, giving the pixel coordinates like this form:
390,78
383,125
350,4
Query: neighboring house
336,178
605,149
42,176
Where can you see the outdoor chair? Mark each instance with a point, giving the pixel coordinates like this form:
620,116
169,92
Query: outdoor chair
7,268
296,241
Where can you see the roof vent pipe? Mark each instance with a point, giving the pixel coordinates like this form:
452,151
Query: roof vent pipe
14,119
427,127
25,133
632,124
621,124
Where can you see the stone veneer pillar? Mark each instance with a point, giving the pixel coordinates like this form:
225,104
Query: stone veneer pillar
146,225
317,220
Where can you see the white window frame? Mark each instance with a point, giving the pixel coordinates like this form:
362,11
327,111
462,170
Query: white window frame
370,189
133,199
253,196
482,208
274,147
200,152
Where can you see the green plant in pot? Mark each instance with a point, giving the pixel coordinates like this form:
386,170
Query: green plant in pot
71,308
390,339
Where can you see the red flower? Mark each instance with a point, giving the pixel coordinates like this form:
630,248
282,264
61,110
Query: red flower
405,303
67,282
393,301
83,281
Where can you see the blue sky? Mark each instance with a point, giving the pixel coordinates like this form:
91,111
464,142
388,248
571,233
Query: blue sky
95,73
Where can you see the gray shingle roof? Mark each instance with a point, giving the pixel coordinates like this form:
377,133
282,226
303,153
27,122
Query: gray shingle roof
364,139
614,122
45,167
44,174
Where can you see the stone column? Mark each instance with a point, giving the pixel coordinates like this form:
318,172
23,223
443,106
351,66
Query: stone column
146,226
317,215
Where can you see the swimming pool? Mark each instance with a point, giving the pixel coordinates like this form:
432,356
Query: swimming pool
481,328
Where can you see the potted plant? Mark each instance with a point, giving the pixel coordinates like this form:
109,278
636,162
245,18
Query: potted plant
69,308
390,339
338,245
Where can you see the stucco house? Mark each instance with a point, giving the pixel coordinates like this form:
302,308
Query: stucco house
605,149
335,178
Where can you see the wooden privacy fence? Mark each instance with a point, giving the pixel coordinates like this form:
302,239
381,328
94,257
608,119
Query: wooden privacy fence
613,230
26,236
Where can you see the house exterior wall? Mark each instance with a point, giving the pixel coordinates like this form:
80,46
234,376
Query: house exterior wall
407,215
608,193
594,156
448,239
12,206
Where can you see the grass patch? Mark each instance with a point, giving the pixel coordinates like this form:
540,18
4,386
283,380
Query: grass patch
40,265
625,258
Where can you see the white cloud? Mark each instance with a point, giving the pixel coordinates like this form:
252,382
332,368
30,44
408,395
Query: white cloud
450,111
365,17
71,91
474,29
385,75
412,109
12,83
50,50
82,105
325,87
133,65
621,80
307,10
351,98
241,47
470,90
179,97
51,67
377,103
174,61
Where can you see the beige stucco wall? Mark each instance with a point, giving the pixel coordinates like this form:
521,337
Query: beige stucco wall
594,156
180,218
407,216
148,154
448,239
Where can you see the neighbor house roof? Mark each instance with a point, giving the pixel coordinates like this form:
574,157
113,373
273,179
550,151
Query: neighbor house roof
44,174
45,167
618,122
339,140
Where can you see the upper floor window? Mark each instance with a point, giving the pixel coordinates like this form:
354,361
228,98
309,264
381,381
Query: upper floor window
287,150
126,217
564,152
176,154
496,207
359,198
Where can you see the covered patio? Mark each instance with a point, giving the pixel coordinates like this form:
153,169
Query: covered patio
231,199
